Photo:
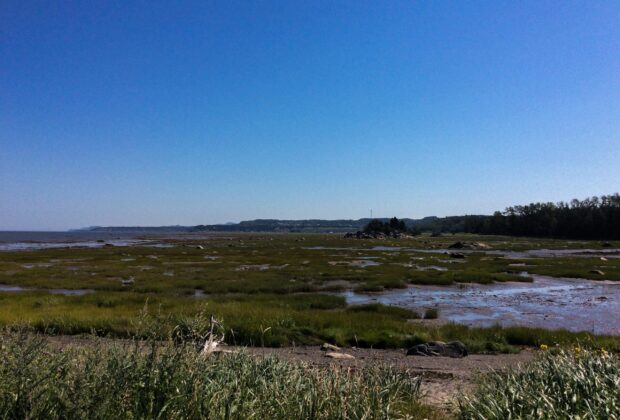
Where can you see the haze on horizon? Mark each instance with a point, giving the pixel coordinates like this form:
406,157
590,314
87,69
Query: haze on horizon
158,113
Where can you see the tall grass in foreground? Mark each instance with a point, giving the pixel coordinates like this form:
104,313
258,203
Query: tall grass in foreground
144,380
567,385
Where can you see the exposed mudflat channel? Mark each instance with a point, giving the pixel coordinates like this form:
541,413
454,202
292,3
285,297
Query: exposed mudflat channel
547,302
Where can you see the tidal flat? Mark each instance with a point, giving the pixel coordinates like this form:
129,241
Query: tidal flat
285,289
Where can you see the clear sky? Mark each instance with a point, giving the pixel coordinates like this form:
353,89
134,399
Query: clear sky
158,113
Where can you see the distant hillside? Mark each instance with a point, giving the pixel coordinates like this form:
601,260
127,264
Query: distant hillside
592,218
431,224
275,225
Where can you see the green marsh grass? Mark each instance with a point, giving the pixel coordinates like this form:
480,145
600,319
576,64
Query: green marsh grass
281,284
267,320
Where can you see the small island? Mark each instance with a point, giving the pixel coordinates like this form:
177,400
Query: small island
379,229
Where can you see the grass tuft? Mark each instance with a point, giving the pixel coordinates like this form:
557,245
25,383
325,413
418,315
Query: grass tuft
431,313
560,385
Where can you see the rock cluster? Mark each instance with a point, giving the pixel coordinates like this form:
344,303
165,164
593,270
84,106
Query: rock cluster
376,235
439,348
469,245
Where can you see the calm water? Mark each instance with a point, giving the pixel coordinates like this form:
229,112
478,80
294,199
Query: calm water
76,236
25,241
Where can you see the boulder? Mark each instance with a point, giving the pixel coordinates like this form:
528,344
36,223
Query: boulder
480,245
128,282
599,272
375,235
439,348
469,245
457,255
341,356
200,247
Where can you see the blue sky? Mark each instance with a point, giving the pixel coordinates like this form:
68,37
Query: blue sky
158,113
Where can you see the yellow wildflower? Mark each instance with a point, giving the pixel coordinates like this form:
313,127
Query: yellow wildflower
544,347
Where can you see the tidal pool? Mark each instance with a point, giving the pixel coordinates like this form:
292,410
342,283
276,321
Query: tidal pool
65,292
547,302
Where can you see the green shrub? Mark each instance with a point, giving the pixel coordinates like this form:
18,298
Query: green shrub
394,311
431,313
560,385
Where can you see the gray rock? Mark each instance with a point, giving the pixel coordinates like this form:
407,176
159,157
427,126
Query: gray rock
336,355
439,348
480,245
329,347
375,235
469,245
599,272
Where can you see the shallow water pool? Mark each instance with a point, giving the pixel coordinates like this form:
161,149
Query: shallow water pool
547,302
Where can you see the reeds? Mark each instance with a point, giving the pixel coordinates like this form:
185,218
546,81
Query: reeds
577,384
168,380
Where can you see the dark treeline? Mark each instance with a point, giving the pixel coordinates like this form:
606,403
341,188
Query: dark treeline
592,218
